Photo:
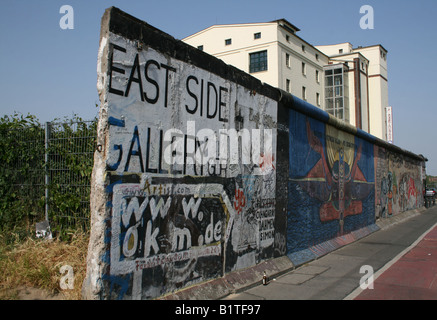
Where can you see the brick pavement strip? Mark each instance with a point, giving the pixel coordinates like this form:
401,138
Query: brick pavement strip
412,277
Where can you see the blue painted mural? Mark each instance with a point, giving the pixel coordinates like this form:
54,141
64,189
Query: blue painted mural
331,183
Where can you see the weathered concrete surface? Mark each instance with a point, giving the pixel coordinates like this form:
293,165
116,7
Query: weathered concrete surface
184,179
234,281
204,177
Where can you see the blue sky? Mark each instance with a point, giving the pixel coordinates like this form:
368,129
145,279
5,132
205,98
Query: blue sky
51,73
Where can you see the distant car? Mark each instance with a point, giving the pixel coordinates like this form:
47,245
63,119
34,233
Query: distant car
430,193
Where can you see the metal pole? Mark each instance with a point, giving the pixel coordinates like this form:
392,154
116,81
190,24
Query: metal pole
46,160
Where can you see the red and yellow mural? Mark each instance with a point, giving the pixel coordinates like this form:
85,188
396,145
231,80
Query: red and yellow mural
331,185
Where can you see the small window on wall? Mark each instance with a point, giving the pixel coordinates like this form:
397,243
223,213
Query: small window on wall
304,93
287,85
228,42
258,61
287,60
200,47
257,35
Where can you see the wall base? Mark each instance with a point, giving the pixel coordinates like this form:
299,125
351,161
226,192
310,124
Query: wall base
233,282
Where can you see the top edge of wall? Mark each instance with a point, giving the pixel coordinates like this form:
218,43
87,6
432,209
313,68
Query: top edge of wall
288,100
119,22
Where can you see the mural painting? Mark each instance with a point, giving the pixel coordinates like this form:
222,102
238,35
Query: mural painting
400,181
331,185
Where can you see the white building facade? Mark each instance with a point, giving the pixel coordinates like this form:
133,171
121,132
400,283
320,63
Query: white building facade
349,83
368,85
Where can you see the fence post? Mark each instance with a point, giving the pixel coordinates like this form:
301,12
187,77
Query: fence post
47,131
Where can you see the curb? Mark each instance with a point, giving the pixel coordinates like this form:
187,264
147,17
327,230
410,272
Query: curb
384,223
315,252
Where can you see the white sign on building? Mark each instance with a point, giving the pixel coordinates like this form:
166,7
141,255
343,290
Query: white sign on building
389,120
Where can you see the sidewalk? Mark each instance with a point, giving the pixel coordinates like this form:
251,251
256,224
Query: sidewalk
411,277
402,254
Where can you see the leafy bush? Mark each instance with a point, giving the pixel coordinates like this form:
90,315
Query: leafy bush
22,160
26,161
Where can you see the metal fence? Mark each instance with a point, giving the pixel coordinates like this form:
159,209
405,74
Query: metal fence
50,171
69,162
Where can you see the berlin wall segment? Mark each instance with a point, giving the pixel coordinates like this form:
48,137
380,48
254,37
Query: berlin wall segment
341,180
201,170
184,179
331,183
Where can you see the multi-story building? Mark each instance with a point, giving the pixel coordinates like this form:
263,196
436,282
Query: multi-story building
349,83
366,78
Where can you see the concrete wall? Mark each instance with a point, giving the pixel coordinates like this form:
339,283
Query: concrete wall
399,183
184,182
201,170
341,180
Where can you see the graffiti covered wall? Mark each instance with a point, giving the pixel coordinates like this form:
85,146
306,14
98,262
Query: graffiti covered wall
341,180
202,170
399,183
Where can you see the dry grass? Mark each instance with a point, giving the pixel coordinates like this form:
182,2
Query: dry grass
36,263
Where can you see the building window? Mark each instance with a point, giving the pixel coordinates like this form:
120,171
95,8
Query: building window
287,60
317,76
257,35
340,51
258,61
317,57
303,48
228,42
318,99
304,71
304,93
200,47
336,93
287,85
287,37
